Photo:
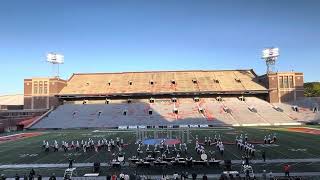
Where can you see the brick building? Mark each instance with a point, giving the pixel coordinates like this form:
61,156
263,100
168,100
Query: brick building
284,86
40,93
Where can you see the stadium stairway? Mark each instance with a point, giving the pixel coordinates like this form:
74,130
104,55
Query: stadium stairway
240,112
215,110
268,113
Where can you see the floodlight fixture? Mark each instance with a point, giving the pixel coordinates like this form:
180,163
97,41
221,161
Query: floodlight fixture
55,59
270,55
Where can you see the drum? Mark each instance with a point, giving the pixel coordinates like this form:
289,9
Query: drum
204,157
121,158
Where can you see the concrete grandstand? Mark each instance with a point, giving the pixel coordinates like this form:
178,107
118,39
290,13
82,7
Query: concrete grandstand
169,98
161,113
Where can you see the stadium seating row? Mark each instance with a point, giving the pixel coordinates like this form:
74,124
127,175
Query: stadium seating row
163,112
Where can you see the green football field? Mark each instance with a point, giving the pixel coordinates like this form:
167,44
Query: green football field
290,145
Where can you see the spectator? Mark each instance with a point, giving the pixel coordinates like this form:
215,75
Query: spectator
39,177
25,177
53,177
31,174
175,176
186,175
30,177
264,156
138,177
2,177
194,176
238,177
132,176
121,176
182,176
270,175
143,177
114,177
17,177
246,160
164,177
247,174
264,175
205,177
108,177
223,177
71,163
287,170
126,177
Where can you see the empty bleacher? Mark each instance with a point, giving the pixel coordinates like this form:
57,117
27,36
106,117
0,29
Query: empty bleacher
267,112
240,112
163,112
305,110
214,111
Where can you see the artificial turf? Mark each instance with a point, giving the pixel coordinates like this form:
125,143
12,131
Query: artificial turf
290,145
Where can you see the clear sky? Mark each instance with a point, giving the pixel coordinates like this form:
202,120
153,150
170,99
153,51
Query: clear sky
132,35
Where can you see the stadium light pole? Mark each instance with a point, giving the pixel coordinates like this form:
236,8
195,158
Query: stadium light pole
270,55
55,59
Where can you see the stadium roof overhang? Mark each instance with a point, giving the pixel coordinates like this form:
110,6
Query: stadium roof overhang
123,95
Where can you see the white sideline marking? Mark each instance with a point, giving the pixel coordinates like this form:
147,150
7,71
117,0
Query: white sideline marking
264,124
11,135
297,150
267,124
27,155
249,124
287,124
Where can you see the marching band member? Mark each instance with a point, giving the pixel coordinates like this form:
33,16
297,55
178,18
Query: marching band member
269,139
185,147
47,147
274,138
121,142
56,146
44,144
77,146
72,145
175,148
167,150
221,147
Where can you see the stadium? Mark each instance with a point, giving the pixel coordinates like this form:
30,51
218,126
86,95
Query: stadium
218,123
159,90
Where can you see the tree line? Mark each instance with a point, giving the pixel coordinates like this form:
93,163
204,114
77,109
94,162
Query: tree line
312,89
